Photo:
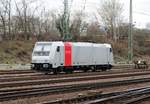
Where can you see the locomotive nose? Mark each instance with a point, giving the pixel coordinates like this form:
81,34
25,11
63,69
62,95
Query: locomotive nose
40,60
39,63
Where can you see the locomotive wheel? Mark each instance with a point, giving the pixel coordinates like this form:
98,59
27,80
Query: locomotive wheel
55,71
68,70
103,69
85,70
93,69
46,73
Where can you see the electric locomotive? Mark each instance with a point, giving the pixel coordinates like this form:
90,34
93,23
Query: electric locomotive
69,56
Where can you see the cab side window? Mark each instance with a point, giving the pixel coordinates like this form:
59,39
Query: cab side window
58,48
110,49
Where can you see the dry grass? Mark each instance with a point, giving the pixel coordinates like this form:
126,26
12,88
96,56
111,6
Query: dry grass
15,51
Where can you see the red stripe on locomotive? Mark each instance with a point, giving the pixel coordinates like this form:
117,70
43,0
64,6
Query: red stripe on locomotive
67,54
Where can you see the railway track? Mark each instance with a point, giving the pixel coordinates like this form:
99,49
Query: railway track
123,67
117,97
37,75
3,72
138,99
29,84
30,91
47,80
124,97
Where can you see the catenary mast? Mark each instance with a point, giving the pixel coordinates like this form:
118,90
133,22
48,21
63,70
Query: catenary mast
130,37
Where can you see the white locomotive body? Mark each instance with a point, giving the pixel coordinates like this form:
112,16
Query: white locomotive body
69,56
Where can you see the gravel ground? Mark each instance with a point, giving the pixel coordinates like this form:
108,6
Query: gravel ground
145,102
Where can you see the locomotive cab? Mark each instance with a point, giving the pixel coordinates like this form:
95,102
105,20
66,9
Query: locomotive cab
45,56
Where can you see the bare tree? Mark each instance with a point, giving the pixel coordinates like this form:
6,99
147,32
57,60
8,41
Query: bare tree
110,12
26,17
3,23
5,16
60,25
78,25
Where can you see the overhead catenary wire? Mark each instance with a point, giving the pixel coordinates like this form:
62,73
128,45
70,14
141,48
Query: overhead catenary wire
141,13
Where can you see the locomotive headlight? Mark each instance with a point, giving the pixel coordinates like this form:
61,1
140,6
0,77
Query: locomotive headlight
45,65
32,65
33,61
46,61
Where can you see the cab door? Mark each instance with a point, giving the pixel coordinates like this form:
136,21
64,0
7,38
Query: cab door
110,60
57,57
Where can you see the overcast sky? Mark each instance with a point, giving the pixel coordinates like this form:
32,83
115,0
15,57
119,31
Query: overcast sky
141,8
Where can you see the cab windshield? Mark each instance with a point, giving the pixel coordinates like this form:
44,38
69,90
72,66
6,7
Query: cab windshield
42,49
